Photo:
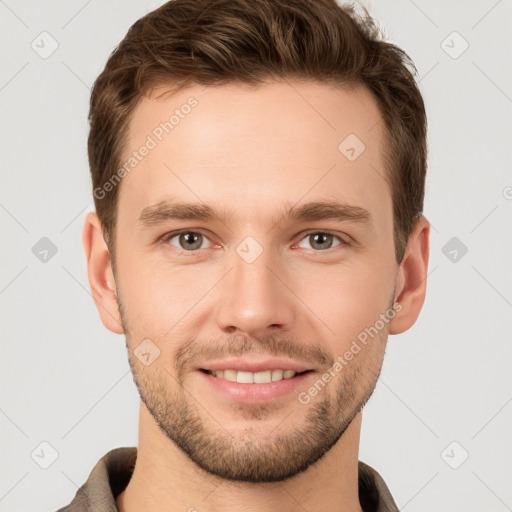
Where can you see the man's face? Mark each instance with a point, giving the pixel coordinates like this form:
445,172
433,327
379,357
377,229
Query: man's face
256,284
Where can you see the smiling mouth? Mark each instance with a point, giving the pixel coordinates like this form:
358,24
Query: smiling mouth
261,377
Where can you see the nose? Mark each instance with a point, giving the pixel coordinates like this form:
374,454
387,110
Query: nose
254,300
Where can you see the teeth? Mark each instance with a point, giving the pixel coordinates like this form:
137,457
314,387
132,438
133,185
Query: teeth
244,377
263,377
277,374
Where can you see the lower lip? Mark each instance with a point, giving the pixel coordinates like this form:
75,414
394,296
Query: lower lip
250,393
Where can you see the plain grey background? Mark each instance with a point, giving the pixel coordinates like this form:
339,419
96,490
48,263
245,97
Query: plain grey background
438,426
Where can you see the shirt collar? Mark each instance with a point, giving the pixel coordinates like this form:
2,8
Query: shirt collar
113,471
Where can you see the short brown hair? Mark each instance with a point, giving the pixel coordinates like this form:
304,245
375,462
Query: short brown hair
215,42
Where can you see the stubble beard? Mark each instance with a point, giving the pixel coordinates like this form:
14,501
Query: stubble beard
246,456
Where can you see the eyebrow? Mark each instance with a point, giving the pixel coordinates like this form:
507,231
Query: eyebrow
313,211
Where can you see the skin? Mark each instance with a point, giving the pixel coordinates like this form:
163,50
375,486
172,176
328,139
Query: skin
254,153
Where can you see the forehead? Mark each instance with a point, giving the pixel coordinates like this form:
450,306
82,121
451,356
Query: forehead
252,148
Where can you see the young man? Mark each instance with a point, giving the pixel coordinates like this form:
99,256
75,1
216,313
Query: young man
258,171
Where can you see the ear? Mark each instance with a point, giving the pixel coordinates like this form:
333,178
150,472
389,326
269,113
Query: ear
101,277
411,282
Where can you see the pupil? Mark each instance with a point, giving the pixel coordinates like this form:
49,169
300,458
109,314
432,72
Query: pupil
320,239
191,240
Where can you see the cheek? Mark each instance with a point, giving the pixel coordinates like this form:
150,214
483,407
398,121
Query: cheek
157,296
344,297
346,300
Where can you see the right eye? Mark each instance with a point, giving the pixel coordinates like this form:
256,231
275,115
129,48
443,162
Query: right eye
186,241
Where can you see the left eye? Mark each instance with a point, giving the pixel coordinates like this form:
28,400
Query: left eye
187,240
191,241
321,240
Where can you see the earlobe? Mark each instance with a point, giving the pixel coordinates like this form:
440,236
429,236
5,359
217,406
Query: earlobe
101,277
411,284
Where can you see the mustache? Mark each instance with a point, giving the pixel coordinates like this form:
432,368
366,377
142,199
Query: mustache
240,345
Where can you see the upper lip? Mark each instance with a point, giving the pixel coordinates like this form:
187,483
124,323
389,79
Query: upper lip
247,365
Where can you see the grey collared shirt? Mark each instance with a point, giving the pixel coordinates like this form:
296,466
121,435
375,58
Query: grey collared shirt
113,471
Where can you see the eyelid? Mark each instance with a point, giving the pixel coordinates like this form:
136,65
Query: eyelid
303,235
339,236
165,238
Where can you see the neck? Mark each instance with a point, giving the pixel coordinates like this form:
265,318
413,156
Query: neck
165,478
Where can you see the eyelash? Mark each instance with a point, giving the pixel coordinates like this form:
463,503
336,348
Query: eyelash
167,237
